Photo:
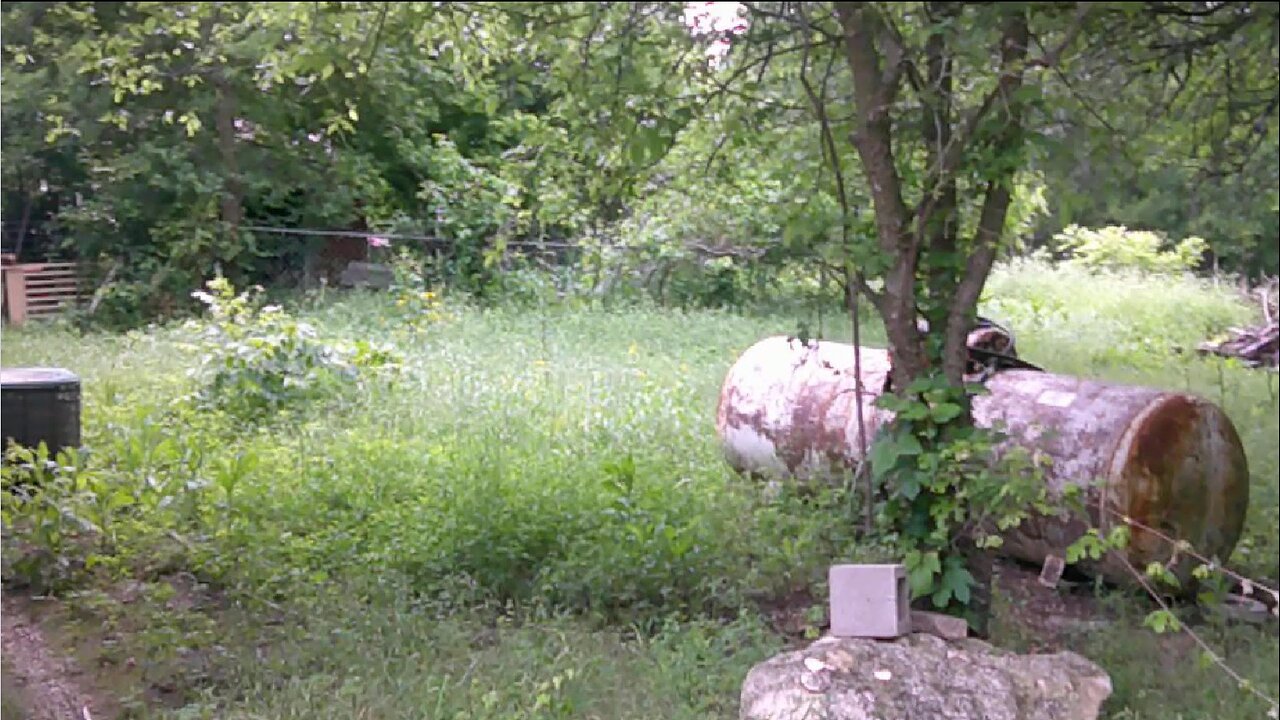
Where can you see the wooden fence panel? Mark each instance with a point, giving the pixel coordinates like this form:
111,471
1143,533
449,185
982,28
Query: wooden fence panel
41,290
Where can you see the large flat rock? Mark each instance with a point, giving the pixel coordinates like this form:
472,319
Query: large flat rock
922,677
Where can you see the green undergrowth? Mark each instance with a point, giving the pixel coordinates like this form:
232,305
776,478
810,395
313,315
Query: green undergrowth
529,515
1159,676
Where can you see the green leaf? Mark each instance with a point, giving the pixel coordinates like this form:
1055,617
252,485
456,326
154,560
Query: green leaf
987,542
919,386
884,455
1158,571
908,485
1162,621
1118,538
945,412
1088,545
915,411
957,579
646,145
1205,660
909,445
892,403
921,569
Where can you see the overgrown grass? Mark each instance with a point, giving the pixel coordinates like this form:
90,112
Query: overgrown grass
540,491
402,662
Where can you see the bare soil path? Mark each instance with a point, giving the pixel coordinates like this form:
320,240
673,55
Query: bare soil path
47,684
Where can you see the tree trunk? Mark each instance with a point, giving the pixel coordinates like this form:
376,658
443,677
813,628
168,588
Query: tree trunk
232,205
936,218
874,91
929,236
995,204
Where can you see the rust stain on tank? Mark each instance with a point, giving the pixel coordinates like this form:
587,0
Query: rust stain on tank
1158,450
730,415
806,430
1184,474
1159,447
1160,441
790,408
728,412
810,431
1230,512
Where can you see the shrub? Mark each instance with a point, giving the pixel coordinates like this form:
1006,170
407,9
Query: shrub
256,360
475,210
1119,248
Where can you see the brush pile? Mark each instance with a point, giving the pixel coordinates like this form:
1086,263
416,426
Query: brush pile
1258,345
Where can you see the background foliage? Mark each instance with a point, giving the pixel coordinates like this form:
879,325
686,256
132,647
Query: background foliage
149,138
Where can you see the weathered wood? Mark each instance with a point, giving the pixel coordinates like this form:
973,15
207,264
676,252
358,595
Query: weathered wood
40,289
1255,346
15,294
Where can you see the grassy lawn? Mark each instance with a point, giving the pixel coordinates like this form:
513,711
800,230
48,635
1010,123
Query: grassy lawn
533,518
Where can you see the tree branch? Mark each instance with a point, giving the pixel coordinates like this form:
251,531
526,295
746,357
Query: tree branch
1010,79
872,137
900,58
873,93
1054,56
761,63
377,36
828,142
756,9
936,221
995,206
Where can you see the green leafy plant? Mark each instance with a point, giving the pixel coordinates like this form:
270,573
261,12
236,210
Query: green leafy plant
66,519
40,526
946,486
420,304
255,360
1119,248
473,208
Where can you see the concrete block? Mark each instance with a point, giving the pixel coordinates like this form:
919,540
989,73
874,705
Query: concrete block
869,601
1051,571
363,274
943,626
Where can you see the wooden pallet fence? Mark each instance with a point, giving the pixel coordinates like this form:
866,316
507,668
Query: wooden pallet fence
41,290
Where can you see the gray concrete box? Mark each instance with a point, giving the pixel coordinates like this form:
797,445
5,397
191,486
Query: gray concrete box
871,601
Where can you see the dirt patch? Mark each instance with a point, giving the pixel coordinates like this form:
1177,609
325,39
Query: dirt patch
1040,618
49,685
797,616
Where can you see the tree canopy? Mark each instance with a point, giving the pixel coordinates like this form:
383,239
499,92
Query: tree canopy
149,134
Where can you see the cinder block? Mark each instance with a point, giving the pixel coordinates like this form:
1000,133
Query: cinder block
363,274
871,601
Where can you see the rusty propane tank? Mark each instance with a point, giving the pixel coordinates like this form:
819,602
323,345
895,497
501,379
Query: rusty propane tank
1169,461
